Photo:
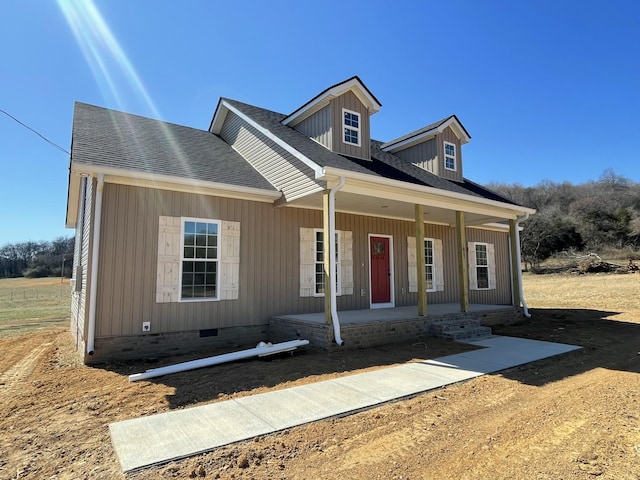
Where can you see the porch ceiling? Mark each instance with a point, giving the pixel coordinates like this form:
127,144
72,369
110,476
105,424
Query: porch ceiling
378,206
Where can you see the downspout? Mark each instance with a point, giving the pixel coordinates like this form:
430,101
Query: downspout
332,265
519,265
91,329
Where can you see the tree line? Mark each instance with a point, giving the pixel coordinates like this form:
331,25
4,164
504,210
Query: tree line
37,259
596,216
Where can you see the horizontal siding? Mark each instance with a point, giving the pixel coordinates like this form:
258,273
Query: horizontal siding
319,127
269,262
349,101
423,155
81,257
279,167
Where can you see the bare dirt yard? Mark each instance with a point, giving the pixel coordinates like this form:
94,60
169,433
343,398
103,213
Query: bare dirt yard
575,416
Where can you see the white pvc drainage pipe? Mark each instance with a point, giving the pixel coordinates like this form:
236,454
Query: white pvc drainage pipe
332,264
525,310
262,350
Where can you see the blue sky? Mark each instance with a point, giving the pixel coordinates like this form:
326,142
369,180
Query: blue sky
549,90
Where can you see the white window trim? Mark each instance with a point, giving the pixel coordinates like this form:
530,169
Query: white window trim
218,260
454,156
356,129
438,264
433,265
473,266
338,260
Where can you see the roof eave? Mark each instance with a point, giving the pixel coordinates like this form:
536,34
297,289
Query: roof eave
323,98
171,182
410,140
432,196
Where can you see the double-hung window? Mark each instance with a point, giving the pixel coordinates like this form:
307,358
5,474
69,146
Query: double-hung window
449,156
199,259
351,127
319,260
429,264
482,266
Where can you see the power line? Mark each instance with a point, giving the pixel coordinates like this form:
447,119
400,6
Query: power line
34,131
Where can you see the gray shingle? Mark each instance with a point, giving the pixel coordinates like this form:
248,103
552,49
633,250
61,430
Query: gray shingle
109,138
382,164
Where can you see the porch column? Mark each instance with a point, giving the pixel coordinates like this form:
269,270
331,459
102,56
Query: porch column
420,261
463,266
515,278
327,246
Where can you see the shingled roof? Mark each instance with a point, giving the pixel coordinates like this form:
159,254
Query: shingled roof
382,164
108,138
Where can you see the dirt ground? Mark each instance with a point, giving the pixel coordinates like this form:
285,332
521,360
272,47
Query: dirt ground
575,416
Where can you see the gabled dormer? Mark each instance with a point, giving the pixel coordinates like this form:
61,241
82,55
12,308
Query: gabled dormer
436,148
338,118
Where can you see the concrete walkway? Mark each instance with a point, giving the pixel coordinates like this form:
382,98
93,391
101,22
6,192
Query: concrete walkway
156,439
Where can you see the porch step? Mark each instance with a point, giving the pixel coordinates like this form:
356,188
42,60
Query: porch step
459,329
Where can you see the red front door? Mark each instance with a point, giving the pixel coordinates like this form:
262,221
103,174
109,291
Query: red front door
380,270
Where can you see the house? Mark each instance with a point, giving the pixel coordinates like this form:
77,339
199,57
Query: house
188,238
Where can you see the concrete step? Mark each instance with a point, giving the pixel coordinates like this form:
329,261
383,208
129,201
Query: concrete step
468,334
453,325
459,329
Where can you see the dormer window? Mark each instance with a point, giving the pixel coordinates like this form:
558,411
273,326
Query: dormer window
449,156
351,125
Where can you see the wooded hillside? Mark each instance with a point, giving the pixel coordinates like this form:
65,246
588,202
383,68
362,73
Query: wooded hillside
596,216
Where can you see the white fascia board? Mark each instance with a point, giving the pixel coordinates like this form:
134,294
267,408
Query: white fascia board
394,189
464,138
316,104
395,145
178,184
73,198
496,227
267,133
218,119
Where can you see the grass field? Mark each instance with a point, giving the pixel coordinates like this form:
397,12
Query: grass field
30,303
616,293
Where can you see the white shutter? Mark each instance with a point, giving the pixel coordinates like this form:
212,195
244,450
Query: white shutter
346,262
229,261
307,262
168,271
491,259
412,264
438,265
473,277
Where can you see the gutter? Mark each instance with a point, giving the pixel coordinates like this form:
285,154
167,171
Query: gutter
93,291
332,264
519,265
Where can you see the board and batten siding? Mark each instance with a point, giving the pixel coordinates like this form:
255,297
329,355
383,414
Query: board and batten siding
448,136
423,155
285,172
269,268
81,256
501,295
349,101
319,127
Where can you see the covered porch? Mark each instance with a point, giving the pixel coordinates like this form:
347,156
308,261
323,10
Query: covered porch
373,327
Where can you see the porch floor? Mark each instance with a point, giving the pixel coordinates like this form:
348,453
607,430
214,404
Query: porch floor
368,328
350,317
